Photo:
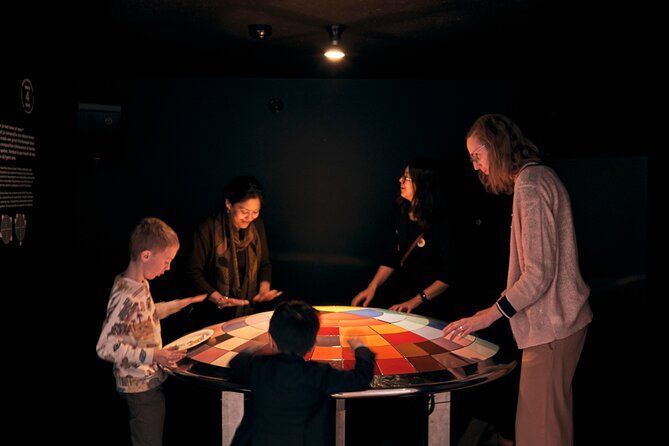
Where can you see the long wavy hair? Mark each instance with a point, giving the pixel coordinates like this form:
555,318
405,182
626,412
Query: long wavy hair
427,185
508,151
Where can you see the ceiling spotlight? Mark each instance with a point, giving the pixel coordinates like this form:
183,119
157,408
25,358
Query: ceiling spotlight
260,31
335,52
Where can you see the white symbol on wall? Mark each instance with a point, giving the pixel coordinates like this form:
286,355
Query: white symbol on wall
20,227
7,230
27,96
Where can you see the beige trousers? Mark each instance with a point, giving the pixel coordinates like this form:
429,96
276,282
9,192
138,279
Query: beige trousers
544,414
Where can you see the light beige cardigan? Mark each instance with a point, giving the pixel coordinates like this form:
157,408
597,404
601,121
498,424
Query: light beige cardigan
544,283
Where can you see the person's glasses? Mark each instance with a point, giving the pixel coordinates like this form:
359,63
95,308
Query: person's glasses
405,178
474,157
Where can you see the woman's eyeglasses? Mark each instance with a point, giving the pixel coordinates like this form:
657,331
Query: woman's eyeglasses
405,178
474,156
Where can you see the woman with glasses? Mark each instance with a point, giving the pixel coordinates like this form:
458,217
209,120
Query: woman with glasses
230,259
546,299
416,266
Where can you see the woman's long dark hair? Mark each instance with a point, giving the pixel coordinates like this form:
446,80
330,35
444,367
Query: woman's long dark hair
426,177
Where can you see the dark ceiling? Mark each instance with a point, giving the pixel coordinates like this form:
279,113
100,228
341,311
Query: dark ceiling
383,38
567,59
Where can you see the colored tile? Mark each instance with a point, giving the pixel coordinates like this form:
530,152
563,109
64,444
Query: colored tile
385,352
246,332
329,323
263,337
340,316
209,355
334,308
347,353
259,318
367,312
388,328
450,360
328,341
439,325
358,322
395,366
449,344
328,331
426,364
231,344
199,349
410,350
218,339
357,331
411,324
403,338
429,332
476,351
234,324
431,347
224,360
326,353
250,347
422,320
391,317
369,341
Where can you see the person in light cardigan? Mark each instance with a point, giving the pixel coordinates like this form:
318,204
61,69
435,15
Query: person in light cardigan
546,298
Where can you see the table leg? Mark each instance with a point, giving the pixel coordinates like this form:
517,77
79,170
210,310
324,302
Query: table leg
232,410
439,422
340,422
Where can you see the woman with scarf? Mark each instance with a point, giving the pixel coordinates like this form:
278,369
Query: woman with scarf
229,258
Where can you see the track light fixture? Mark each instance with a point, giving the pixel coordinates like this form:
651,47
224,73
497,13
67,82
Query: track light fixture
335,53
260,31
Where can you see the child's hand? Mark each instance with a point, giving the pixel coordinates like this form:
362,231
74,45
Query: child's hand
192,300
355,342
168,357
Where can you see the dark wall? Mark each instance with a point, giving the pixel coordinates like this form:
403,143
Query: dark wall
330,162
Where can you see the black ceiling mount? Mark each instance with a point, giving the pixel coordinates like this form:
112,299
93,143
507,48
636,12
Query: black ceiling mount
260,31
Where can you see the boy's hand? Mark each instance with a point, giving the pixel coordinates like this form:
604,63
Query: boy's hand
168,357
164,309
192,300
355,342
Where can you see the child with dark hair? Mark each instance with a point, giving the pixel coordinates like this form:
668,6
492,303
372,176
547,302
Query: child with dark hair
290,395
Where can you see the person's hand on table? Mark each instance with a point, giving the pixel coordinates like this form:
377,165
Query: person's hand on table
363,298
355,342
406,307
167,357
479,321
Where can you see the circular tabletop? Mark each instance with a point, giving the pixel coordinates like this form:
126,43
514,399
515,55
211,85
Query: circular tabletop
413,355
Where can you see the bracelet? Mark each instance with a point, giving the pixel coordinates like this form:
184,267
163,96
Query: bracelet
423,296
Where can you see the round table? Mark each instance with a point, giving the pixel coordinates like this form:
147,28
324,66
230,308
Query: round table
413,357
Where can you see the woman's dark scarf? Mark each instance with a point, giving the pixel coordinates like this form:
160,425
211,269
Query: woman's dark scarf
227,246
